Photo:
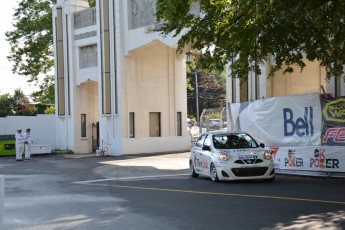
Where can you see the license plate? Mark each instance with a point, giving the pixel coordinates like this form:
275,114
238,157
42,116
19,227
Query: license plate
247,157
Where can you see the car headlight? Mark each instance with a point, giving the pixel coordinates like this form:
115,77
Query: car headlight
224,157
267,155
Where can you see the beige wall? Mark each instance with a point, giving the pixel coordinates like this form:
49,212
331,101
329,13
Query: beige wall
87,104
151,86
307,81
150,77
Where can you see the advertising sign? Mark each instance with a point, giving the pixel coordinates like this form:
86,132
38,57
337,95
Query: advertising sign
310,158
333,121
7,145
280,121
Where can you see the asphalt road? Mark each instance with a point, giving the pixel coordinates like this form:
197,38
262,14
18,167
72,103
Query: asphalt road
155,192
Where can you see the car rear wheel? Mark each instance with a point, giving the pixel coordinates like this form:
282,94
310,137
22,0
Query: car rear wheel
191,170
213,173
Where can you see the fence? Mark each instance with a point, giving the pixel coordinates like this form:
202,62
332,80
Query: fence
213,119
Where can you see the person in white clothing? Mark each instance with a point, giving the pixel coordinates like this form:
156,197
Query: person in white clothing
28,144
195,131
20,140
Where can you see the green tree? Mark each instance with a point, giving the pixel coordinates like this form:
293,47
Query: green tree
211,93
211,87
50,110
21,105
46,94
6,105
245,32
31,44
31,40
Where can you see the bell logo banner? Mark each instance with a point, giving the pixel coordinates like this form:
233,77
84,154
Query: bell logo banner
293,120
302,126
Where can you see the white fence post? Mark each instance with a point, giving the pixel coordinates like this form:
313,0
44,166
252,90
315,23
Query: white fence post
2,201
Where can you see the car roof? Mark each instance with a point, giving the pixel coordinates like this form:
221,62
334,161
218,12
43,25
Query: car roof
226,132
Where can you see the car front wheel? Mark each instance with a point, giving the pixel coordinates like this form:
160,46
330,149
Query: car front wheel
191,170
213,173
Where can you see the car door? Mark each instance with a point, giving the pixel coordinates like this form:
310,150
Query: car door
207,154
197,153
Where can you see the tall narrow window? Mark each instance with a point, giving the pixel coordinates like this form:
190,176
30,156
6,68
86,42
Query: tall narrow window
68,69
83,125
115,61
101,54
244,91
60,63
179,124
155,124
233,91
131,125
257,86
105,58
337,86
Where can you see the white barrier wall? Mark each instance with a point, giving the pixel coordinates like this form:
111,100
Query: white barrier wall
155,145
42,127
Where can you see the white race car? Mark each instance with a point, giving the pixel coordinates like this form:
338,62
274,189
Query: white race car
227,155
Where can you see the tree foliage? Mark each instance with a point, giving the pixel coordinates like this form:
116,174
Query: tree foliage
6,102
50,110
31,40
211,87
46,93
21,104
246,32
31,43
18,105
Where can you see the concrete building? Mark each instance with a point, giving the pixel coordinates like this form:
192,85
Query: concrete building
310,80
120,85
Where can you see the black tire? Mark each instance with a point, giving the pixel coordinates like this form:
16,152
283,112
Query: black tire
192,172
213,173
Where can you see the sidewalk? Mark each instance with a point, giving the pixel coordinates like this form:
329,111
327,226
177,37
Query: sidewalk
76,155
86,155
89,155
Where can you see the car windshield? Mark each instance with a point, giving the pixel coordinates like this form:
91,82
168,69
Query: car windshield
233,141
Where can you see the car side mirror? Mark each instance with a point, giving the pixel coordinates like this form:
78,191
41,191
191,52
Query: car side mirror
206,148
262,145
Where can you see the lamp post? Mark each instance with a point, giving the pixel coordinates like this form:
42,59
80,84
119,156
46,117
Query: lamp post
189,57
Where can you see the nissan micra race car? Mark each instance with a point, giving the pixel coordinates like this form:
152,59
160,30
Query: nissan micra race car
227,155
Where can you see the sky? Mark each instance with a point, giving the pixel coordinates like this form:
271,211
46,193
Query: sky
9,81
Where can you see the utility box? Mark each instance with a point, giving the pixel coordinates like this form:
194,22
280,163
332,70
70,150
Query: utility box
41,149
7,145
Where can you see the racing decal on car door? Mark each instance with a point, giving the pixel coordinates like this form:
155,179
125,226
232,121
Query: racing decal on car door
199,162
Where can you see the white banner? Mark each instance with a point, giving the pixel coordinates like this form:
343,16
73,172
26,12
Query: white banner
280,121
310,158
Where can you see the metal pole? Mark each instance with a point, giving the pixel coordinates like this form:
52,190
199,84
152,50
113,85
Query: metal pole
197,96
